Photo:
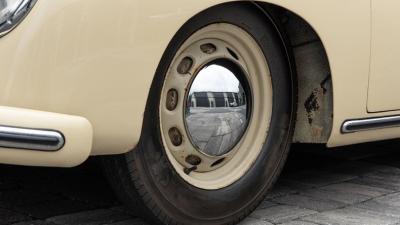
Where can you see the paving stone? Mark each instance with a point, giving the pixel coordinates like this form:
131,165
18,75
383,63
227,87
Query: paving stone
129,222
391,199
15,199
380,208
123,209
8,217
298,222
388,170
54,208
350,216
379,182
281,189
356,168
308,202
84,183
36,222
391,176
356,152
332,195
6,185
387,159
73,189
252,221
94,217
292,186
80,196
316,178
266,204
281,213
352,188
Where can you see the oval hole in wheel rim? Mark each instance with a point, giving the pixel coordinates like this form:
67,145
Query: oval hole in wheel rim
217,107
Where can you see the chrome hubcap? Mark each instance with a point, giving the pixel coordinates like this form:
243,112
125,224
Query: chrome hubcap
217,111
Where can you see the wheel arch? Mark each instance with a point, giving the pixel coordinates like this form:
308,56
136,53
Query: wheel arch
311,71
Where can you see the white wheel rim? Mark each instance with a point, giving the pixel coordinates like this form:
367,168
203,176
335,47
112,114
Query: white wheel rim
243,155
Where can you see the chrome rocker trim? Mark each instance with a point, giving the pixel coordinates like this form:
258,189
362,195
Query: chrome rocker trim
351,126
31,139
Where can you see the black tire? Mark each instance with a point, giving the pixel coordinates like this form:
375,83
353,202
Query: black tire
146,181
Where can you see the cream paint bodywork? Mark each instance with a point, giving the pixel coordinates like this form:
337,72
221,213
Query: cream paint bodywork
385,51
96,59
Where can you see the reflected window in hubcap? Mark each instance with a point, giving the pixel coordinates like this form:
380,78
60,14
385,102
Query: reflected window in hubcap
217,108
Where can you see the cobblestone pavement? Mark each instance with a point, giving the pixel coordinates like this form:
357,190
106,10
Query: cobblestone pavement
352,185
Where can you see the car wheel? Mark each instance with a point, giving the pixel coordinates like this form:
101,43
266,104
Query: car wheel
218,123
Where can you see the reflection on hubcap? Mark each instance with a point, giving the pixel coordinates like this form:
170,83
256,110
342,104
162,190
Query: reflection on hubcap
217,108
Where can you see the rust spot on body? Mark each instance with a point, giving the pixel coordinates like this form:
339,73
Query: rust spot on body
312,105
313,102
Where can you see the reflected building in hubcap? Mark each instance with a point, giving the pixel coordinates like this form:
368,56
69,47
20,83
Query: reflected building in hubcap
217,99
216,110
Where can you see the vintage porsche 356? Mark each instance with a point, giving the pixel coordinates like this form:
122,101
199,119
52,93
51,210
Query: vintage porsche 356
193,105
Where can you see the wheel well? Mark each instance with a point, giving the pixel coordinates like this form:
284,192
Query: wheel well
311,65
311,70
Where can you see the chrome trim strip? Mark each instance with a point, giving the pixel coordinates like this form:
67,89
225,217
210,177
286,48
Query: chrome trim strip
17,16
31,139
351,126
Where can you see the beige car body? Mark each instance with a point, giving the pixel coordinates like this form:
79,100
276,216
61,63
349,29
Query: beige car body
91,64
